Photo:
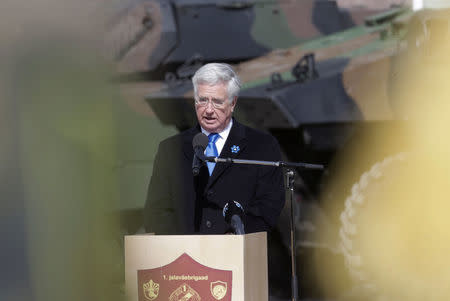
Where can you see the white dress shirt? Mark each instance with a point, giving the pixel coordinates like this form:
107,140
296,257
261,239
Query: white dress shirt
220,142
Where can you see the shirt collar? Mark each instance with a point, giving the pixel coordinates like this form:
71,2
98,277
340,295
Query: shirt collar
224,133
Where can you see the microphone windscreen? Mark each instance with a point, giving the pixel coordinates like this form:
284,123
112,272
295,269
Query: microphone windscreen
200,140
232,208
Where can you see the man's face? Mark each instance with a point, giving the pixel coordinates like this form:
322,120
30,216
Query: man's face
214,119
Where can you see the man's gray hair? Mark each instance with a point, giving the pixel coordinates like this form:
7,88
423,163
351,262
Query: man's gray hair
217,73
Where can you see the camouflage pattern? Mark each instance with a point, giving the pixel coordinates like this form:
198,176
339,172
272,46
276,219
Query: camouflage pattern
159,36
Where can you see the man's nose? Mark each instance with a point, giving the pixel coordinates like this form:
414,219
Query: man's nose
209,107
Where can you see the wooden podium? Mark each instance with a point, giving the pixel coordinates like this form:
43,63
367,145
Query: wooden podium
196,267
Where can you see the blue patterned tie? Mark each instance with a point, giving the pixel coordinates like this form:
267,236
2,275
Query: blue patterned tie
211,150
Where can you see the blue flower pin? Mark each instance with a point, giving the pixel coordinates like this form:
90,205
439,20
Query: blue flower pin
235,149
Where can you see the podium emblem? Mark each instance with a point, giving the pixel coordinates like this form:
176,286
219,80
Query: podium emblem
218,289
184,279
151,290
184,293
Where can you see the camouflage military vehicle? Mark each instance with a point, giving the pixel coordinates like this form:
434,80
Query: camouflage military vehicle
327,97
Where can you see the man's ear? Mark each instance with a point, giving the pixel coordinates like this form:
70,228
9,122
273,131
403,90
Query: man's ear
233,103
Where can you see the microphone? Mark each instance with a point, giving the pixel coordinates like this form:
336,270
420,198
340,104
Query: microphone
233,214
199,144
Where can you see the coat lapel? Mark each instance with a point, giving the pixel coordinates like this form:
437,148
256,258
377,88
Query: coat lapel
235,138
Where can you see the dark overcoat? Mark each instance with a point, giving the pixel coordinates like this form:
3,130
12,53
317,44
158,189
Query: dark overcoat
180,203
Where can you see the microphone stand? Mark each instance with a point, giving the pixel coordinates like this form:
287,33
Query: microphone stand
290,186
289,176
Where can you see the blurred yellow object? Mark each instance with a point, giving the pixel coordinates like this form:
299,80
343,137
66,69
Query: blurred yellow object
394,232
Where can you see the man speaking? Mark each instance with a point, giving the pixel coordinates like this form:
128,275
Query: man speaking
180,201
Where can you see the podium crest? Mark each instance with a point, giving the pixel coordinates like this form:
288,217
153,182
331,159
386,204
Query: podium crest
151,290
218,289
184,279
